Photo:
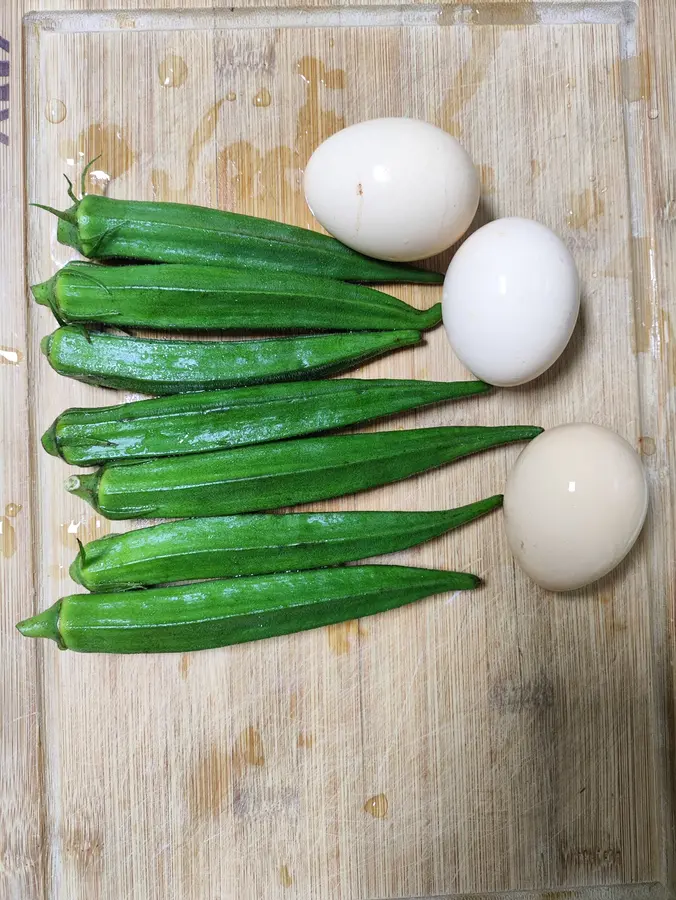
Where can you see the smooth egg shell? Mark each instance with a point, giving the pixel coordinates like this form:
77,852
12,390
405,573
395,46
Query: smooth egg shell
511,300
575,502
394,189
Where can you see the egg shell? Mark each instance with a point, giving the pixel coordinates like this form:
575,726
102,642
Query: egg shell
396,189
575,502
511,299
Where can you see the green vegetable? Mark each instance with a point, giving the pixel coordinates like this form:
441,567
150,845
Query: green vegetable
256,544
103,228
167,367
284,473
207,298
209,614
215,420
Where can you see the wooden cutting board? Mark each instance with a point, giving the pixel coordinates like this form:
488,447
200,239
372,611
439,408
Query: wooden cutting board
509,740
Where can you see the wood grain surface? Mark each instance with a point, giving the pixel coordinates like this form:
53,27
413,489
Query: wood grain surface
505,741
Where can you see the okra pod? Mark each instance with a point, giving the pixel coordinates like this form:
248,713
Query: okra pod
104,228
169,367
257,544
208,298
284,473
215,420
209,614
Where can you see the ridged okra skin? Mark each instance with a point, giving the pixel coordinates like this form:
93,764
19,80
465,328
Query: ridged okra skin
283,473
211,298
168,367
216,420
106,228
257,544
208,614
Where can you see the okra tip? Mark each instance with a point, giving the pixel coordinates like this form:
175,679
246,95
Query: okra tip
429,318
84,486
44,291
43,625
465,581
48,440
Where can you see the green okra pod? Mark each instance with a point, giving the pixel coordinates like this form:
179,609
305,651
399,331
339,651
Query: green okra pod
208,614
170,367
283,473
105,228
257,544
208,298
214,420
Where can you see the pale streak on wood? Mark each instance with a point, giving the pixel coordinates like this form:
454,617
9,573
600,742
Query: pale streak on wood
521,740
21,785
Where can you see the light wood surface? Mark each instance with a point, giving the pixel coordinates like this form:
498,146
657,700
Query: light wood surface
505,741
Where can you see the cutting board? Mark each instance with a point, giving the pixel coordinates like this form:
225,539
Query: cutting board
504,740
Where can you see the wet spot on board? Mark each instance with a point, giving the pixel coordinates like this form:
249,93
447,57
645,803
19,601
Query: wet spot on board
248,750
172,71
209,783
635,77
10,357
345,635
647,446
110,148
184,665
487,178
262,98
377,806
585,208
82,844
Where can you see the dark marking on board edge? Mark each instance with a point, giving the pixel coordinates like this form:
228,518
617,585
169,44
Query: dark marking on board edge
4,89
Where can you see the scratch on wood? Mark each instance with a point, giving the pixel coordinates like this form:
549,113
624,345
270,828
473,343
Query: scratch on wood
516,696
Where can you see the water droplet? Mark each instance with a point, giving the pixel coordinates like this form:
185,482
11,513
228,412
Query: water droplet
55,111
231,95
12,510
647,446
7,537
99,179
172,71
654,114
10,357
262,98
106,144
377,806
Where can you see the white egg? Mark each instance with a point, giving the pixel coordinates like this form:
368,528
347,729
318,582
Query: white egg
511,300
575,502
394,189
